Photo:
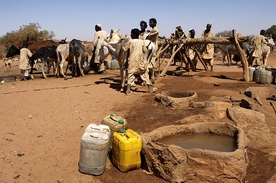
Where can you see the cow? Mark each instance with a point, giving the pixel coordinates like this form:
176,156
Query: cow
62,52
47,55
77,51
63,55
33,46
230,52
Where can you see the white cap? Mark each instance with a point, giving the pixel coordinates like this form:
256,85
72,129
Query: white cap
99,25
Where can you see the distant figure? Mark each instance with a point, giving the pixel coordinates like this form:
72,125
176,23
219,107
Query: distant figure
99,37
24,63
208,50
259,44
191,51
179,33
172,37
143,32
153,36
191,34
136,64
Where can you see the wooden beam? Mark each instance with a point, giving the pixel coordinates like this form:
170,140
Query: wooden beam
207,40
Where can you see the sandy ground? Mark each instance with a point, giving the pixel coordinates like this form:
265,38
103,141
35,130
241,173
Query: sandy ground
42,121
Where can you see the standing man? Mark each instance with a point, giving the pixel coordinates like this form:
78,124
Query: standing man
99,37
153,36
258,42
143,32
136,64
208,49
191,51
179,33
24,63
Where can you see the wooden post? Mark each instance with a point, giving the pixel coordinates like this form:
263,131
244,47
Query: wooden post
171,59
243,58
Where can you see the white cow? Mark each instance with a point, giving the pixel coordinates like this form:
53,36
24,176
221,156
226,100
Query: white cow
62,55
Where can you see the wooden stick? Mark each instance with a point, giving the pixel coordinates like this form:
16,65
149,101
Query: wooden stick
200,59
171,59
273,106
162,50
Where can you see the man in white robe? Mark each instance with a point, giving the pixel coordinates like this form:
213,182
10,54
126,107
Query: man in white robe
99,38
209,50
136,64
259,44
24,64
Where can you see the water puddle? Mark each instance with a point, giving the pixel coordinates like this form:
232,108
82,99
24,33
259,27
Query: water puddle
202,141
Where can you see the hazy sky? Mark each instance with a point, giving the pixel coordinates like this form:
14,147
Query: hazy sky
77,18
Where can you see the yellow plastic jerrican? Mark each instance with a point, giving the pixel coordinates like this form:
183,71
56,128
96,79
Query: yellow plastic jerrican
127,145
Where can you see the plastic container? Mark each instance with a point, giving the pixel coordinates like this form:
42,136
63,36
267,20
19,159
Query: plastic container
273,73
26,73
114,65
251,73
93,152
126,149
256,75
265,76
92,127
115,123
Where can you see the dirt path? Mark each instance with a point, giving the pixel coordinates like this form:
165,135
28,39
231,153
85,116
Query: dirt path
42,121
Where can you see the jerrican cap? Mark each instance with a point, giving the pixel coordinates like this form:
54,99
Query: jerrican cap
99,25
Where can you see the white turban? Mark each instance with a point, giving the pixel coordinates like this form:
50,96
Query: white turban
98,25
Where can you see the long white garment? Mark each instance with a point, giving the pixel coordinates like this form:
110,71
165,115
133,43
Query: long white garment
99,38
209,51
136,62
24,64
258,42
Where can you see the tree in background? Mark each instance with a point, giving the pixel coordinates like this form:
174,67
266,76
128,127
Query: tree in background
26,33
272,31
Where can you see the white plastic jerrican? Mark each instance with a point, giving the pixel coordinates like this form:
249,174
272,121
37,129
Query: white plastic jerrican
93,152
26,73
99,128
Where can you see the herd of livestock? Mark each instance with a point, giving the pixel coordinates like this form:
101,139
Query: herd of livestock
78,54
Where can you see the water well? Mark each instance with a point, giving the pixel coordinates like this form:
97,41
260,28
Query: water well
170,161
175,99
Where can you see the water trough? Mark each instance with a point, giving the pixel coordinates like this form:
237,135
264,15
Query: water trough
196,164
